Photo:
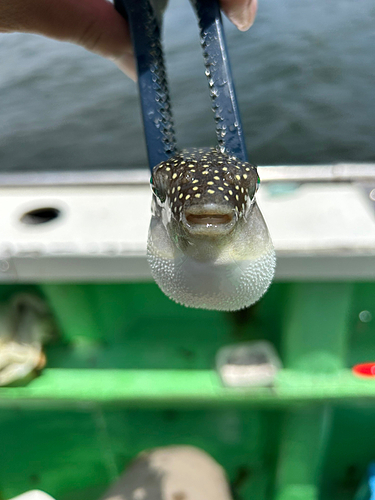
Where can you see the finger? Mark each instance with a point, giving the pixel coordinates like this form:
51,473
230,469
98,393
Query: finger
240,12
127,65
93,24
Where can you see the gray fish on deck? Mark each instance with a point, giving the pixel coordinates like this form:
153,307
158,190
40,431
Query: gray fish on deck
208,244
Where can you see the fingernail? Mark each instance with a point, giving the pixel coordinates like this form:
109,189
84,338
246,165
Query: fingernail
126,63
245,19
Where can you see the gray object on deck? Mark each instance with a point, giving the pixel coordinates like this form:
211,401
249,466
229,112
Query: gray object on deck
172,473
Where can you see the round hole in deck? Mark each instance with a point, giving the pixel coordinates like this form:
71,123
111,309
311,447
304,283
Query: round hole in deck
40,216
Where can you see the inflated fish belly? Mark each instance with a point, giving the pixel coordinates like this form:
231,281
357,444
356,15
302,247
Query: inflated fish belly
208,244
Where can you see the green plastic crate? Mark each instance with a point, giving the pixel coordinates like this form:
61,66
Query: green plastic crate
132,371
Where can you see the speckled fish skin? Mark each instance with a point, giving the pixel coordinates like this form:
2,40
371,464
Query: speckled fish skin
208,244
201,177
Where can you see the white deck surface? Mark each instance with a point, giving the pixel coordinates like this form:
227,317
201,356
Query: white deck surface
320,231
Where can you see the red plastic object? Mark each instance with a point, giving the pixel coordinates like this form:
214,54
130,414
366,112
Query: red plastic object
364,370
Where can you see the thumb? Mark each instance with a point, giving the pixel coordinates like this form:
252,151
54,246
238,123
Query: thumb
93,24
240,12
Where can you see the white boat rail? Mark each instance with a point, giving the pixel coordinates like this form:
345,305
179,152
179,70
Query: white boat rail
321,218
340,172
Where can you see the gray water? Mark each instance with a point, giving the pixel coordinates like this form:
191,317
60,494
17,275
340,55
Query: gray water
304,74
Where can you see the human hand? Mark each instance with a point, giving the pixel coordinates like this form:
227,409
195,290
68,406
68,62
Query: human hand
94,24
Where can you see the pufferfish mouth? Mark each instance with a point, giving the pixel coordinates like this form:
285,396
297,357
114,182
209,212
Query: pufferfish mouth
209,219
214,219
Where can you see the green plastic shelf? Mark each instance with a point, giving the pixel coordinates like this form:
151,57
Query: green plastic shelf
176,388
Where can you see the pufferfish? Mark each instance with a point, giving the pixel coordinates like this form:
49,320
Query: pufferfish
208,244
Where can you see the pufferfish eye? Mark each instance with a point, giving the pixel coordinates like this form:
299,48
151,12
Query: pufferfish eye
158,193
253,188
